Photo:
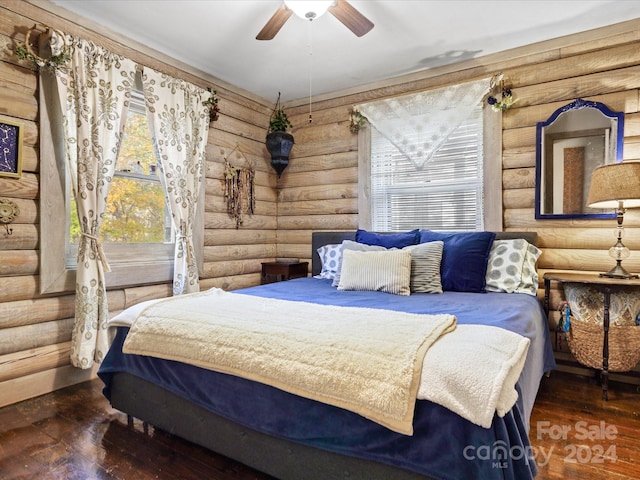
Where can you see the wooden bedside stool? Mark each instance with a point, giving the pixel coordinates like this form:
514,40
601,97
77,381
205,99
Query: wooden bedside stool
281,271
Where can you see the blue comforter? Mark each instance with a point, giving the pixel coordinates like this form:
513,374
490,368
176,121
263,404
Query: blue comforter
444,446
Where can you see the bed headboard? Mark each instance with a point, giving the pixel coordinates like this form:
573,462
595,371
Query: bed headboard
325,238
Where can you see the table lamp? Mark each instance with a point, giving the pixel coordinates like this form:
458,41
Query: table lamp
616,185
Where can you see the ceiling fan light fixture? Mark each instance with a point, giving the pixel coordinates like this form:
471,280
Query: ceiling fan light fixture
309,9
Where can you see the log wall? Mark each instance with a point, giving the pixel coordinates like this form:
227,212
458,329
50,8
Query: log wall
319,189
35,330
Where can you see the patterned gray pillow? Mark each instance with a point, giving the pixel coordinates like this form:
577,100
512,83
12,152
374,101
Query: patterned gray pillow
504,268
425,267
330,256
529,280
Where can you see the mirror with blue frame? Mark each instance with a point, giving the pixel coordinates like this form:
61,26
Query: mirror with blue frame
570,144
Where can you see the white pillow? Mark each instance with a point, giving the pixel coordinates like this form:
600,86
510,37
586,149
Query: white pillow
384,271
529,282
330,256
351,245
425,267
504,268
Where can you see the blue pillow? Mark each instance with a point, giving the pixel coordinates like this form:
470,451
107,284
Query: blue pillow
388,240
464,259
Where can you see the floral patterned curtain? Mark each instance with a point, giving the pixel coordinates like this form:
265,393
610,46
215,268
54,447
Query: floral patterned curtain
93,88
179,123
426,118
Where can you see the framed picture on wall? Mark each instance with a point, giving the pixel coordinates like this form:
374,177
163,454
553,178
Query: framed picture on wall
10,149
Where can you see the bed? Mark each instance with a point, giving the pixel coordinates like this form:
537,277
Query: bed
292,437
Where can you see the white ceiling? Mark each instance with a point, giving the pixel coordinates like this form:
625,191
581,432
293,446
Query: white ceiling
218,36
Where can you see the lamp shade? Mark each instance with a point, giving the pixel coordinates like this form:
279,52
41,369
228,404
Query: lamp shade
614,183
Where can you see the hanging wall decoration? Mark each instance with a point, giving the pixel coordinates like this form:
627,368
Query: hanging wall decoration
239,190
506,100
212,103
55,43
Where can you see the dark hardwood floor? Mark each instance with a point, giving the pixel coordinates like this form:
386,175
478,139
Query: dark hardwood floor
74,434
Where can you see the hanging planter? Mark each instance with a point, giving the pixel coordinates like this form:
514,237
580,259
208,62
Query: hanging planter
278,141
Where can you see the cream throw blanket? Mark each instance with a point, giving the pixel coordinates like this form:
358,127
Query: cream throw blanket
365,360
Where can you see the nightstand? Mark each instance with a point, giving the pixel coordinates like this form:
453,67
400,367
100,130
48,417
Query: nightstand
604,285
280,271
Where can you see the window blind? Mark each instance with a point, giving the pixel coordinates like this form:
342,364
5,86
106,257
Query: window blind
445,194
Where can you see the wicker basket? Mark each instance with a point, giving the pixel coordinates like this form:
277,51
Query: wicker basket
586,341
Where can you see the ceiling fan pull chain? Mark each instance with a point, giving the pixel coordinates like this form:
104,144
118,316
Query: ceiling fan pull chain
310,67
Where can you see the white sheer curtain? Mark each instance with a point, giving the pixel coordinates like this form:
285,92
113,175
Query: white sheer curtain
93,88
419,123
179,123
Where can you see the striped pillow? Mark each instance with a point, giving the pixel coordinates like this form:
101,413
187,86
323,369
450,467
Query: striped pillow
384,271
425,267
351,245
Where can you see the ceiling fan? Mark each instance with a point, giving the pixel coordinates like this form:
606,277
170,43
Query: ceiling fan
341,9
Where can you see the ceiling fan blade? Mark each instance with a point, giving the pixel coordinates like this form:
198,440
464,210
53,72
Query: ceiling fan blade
275,23
350,17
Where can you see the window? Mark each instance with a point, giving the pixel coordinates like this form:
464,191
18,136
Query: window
137,224
445,194
136,211
460,188
137,234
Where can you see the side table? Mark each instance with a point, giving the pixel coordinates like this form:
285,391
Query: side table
606,286
280,271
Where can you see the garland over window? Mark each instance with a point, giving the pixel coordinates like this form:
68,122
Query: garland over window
239,191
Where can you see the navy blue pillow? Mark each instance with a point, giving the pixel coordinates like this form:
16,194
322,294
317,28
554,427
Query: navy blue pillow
388,240
464,259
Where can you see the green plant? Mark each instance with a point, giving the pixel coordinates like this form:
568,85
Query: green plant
278,122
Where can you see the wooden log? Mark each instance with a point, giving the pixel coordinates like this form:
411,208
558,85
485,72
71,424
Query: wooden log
318,207
318,192
215,220
623,101
15,105
231,283
28,312
25,337
19,288
324,162
224,253
519,198
567,89
583,64
323,177
232,236
519,178
319,222
231,268
519,158
295,236
135,295
519,138
586,238
34,360
216,204
23,237
18,262
224,144
295,250
24,187
28,210
523,218
590,260
29,386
